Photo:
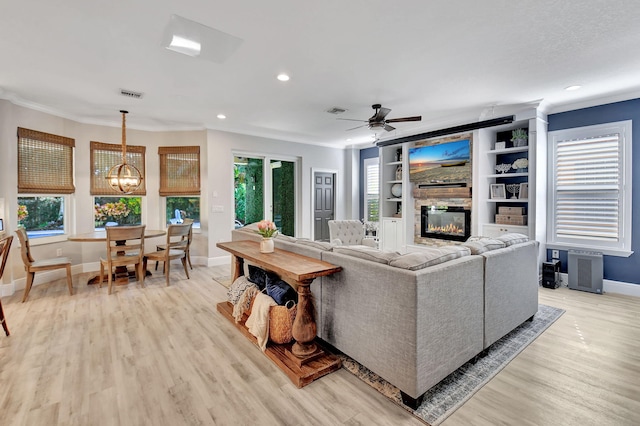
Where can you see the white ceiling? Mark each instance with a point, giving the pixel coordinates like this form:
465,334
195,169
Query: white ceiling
452,62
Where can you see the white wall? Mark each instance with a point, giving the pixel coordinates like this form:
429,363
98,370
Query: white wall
216,176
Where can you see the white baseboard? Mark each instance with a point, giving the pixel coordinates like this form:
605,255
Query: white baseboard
219,261
610,286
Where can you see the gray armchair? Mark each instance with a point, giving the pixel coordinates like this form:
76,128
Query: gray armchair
349,233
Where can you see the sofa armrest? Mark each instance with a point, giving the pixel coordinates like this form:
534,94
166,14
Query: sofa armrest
336,242
369,242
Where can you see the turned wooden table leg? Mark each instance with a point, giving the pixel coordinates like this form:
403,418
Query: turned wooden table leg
304,328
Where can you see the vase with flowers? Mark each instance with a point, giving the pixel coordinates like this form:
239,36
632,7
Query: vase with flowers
267,229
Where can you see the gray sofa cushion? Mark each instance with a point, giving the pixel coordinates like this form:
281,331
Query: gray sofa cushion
429,257
283,237
367,253
513,238
479,245
321,245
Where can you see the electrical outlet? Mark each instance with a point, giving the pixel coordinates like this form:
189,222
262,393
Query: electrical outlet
555,254
59,252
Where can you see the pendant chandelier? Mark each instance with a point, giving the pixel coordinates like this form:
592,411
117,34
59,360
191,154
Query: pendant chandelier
123,177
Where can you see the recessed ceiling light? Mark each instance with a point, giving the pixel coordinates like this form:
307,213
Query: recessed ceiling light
571,88
184,45
221,116
283,77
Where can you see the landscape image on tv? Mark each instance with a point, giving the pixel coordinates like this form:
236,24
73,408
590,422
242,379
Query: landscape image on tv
448,162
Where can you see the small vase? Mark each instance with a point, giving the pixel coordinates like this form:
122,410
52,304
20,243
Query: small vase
266,245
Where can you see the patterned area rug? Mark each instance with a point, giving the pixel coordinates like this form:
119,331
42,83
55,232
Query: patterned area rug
223,281
449,395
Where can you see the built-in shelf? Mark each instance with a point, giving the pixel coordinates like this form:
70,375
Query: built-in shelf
507,175
507,200
508,150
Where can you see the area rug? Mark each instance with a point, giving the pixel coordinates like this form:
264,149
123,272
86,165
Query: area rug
452,392
223,281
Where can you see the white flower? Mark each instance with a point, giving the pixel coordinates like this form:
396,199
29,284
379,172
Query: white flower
521,163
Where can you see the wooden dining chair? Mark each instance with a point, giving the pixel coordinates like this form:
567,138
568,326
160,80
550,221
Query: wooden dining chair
125,246
176,248
32,266
5,246
187,240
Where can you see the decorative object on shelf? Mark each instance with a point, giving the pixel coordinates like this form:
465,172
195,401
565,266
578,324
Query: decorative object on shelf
123,177
267,230
521,164
503,168
524,191
498,191
513,189
396,190
500,145
519,137
399,173
370,228
399,154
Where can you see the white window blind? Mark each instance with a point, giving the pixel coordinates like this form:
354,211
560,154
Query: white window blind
372,185
588,187
591,187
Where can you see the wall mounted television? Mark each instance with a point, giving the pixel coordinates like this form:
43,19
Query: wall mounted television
447,162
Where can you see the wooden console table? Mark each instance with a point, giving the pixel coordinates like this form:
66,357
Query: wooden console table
304,360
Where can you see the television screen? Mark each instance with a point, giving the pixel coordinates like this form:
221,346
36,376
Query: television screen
447,162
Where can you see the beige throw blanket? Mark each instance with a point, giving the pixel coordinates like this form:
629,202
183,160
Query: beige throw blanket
258,321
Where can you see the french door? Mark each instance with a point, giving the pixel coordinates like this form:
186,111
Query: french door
265,188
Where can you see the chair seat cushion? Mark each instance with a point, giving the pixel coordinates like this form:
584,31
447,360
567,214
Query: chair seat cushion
60,261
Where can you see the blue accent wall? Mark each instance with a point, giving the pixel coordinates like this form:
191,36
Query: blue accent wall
364,154
623,269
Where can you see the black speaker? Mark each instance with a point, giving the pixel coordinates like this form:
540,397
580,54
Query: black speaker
551,274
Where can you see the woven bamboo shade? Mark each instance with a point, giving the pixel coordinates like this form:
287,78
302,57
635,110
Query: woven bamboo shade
104,156
45,163
179,170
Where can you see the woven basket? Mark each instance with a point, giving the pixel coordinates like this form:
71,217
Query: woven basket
281,322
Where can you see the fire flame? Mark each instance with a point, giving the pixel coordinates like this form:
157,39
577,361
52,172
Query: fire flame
448,229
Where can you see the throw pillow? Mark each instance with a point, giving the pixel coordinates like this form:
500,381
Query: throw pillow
257,276
513,238
279,290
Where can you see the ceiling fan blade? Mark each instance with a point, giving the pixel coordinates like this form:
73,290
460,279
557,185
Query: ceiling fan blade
380,114
352,119
399,120
389,128
353,128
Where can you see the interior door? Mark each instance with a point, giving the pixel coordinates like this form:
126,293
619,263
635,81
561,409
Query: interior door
323,190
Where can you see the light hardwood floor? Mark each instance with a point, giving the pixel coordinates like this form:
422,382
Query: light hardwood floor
164,356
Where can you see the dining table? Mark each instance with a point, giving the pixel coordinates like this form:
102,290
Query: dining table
122,274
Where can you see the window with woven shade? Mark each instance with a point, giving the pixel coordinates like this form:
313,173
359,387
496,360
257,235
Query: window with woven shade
45,163
106,155
179,170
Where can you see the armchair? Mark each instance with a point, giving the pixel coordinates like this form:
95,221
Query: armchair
349,233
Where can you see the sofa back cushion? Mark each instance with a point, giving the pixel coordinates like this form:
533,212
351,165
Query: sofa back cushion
367,253
320,245
512,238
428,257
479,245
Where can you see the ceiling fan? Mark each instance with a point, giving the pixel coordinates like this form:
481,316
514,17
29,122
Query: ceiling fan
378,121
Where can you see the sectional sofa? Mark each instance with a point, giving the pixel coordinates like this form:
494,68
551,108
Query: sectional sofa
415,318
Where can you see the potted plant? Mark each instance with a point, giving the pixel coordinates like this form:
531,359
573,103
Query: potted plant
519,137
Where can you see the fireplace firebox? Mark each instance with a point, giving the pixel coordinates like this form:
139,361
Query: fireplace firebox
445,223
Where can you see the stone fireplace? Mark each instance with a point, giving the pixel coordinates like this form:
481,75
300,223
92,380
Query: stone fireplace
445,222
430,199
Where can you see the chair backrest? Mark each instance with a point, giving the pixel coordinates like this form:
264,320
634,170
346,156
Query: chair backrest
124,240
349,232
25,248
5,246
190,236
178,235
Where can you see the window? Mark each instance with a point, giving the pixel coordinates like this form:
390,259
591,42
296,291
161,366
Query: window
180,182
590,197
104,156
45,175
372,186
112,211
